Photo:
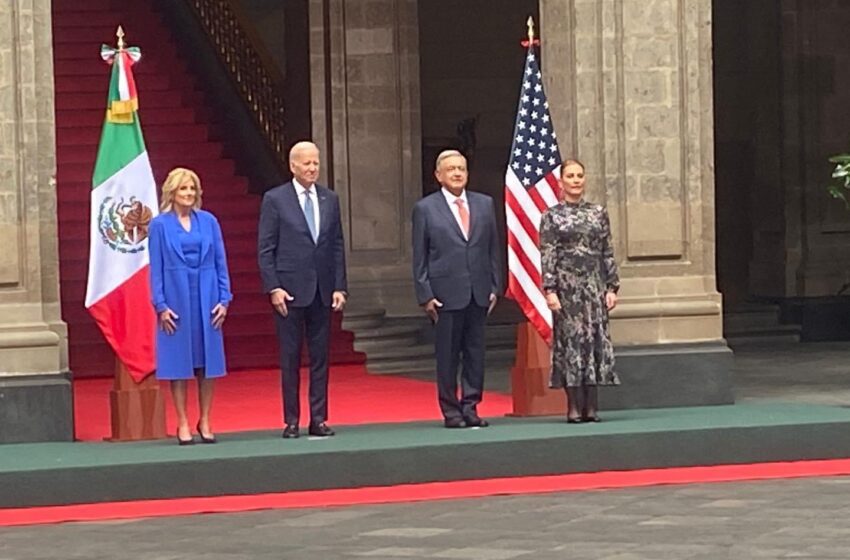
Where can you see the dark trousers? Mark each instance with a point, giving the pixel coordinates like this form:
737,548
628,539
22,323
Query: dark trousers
460,341
315,320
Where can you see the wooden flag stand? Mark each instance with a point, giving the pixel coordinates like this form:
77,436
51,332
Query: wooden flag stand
137,409
530,377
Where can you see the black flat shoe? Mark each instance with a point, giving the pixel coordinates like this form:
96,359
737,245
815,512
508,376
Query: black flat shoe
574,420
205,439
593,418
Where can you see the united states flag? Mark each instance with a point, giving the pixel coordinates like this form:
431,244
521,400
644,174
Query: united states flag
531,186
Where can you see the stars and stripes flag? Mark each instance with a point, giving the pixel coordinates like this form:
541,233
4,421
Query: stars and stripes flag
531,186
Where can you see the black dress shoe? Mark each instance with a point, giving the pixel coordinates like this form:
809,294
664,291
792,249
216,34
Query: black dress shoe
454,423
321,430
593,418
476,422
290,432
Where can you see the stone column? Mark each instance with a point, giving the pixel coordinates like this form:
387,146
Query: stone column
630,86
35,388
366,121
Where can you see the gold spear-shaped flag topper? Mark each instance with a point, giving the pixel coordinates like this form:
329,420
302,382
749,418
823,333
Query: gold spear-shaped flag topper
120,34
124,101
531,41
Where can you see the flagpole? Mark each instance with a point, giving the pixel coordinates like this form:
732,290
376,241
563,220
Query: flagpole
137,408
530,391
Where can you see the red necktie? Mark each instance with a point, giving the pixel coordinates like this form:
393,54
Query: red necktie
464,216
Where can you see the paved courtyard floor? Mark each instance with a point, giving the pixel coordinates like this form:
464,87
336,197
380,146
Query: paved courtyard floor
799,518
795,518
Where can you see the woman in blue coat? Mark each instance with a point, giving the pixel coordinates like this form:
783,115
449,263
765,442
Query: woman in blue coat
190,287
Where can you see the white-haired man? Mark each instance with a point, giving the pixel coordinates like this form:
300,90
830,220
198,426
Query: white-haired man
457,275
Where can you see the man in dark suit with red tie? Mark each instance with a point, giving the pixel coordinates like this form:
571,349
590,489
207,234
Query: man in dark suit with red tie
457,276
302,264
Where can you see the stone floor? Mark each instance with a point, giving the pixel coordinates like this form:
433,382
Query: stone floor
817,373
803,518
797,518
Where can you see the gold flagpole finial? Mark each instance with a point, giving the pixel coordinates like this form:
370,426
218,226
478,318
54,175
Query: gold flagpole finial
120,34
530,24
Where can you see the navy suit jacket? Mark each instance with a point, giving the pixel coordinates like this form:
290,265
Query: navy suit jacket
445,265
288,256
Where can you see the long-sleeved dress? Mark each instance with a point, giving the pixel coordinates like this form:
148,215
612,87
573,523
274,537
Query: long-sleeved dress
578,265
189,276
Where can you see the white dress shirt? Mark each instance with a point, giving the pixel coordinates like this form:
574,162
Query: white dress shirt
301,191
451,198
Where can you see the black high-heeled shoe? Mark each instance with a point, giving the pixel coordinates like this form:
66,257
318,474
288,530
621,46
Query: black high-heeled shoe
205,439
190,441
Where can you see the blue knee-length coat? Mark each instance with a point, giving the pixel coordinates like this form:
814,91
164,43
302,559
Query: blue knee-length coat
170,290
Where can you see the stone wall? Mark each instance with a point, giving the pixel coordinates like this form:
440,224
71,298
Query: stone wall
35,396
29,266
366,120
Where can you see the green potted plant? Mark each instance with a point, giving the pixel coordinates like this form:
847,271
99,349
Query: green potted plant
841,178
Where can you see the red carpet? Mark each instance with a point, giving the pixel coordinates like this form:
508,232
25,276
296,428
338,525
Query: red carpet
422,492
251,400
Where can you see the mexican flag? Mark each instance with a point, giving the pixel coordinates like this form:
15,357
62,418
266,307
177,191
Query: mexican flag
123,202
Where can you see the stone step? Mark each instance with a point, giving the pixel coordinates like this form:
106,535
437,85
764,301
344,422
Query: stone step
393,352
755,320
392,331
767,340
377,344
775,329
495,335
501,357
356,319
757,323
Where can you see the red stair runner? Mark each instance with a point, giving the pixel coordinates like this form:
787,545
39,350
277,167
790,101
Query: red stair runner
179,132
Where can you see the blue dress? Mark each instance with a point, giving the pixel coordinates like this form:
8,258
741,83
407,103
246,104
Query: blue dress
190,243
188,272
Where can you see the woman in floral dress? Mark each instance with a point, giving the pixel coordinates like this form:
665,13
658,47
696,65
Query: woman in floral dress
581,283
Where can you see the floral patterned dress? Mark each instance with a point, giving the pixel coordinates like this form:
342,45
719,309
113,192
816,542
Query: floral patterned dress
578,265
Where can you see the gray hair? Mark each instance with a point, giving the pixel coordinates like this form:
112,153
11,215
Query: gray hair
445,154
301,146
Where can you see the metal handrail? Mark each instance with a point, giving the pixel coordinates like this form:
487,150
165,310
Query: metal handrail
252,69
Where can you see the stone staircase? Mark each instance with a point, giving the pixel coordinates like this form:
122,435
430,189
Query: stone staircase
406,344
752,324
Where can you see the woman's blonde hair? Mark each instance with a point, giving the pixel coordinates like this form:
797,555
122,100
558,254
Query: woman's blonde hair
171,184
571,161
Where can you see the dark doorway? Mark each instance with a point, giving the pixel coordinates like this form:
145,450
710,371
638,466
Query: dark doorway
747,133
471,67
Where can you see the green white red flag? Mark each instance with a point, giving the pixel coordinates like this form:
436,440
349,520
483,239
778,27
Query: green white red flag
123,203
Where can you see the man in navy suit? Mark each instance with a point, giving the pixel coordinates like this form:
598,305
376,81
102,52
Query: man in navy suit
457,274
302,263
